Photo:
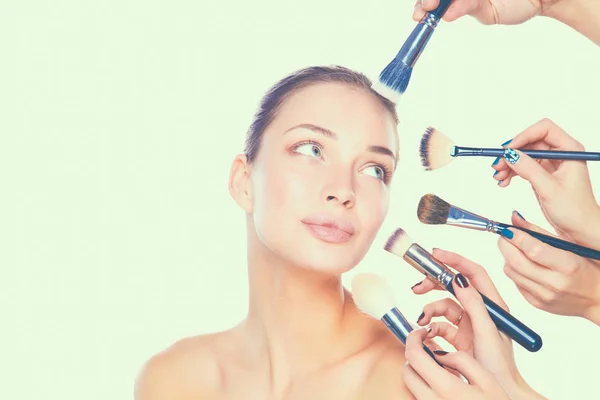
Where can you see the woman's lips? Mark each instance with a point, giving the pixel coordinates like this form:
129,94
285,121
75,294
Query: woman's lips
329,229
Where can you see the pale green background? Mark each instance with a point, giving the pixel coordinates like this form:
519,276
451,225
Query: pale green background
118,123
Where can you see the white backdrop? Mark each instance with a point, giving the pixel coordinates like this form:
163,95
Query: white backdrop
119,120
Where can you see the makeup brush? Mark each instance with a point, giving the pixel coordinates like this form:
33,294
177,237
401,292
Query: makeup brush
374,296
433,210
437,150
401,245
396,75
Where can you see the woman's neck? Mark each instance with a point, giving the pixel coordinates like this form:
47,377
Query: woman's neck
301,320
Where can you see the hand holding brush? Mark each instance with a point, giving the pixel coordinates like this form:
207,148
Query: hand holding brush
550,279
433,210
563,188
561,182
484,356
488,12
581,15
437,150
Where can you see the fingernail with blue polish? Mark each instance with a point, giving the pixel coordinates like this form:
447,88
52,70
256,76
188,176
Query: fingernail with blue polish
507,142
499,182
496,161
511,156
520,216
495,173
507,233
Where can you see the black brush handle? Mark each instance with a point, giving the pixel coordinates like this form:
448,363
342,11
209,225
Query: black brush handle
504,321
560,244
542,154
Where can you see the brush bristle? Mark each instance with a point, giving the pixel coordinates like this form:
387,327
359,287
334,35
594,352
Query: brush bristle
396,76
372,295
398,243
435,149
432,210
386,92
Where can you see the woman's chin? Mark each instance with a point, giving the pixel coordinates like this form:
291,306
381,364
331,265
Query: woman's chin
329,264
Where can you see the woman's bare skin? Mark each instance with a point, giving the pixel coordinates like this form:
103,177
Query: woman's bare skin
229,365
329,154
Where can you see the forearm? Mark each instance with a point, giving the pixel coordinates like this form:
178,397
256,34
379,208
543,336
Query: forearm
588,233
593,314
581,15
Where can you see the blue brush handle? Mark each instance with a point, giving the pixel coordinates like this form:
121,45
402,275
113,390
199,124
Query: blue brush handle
574,248
508,324
543,154
441,9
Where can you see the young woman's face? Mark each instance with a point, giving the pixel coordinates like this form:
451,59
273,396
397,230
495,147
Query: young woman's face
320,182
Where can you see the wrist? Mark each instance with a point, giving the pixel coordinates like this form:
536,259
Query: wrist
561,9
593,314
581,15
594,231
523,391
587,233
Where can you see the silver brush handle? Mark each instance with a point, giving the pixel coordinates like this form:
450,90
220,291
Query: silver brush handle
466,219
415,44
397,323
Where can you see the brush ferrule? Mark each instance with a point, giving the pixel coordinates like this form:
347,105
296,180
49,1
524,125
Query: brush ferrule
397,323
430,20
461,151
458,151
424,262
415,44
466,219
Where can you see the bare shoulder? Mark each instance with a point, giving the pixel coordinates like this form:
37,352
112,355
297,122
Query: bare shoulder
385,379
188,369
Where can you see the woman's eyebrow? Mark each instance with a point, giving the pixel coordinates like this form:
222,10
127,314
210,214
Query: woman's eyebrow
382,150
314,128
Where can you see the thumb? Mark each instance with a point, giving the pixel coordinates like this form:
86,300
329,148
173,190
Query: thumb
527,168
520,222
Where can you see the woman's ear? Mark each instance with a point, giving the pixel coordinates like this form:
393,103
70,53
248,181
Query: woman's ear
240,187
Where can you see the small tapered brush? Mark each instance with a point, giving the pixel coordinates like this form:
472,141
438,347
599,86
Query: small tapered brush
432,210
401,245
396,75
437,150
375,297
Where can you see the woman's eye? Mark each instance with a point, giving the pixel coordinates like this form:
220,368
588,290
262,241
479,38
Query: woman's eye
375,171
310,149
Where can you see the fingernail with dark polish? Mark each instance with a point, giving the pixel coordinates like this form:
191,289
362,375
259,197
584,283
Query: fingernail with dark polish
461,280
520,216
440,352
511,156
421,316
499,182
415,285
496,161
507,233
507,142
428,329
495,173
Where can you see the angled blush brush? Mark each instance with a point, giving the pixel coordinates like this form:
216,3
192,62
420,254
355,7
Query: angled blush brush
433,210
436,150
